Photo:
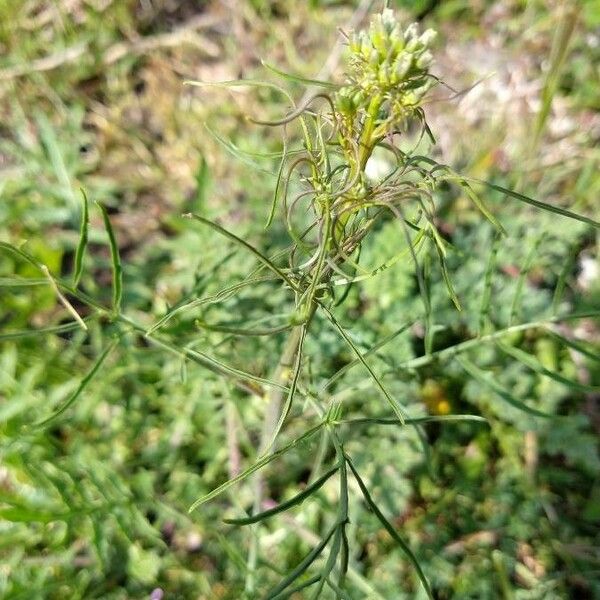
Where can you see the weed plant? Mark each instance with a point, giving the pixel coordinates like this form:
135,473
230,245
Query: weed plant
329,201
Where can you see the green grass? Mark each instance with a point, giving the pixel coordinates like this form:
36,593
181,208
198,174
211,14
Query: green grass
143,416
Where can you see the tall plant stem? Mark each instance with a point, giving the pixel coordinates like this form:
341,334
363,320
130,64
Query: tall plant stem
274,400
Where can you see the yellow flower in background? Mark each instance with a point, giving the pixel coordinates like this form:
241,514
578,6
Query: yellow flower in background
433,395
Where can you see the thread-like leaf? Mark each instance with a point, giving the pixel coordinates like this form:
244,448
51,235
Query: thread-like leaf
522,275
259,464
278,183
83,239
215,365
240,331
330,563
478,202
444,268
561,282
301,568
563,212
14,335
21,282
259,255
21,254
490,382
342,371
298,588
220,296
533,363
84,383
391,530
236,152
300,79
415,420
115,259
297,499
62,298
486,296
285,411
396,407
576,345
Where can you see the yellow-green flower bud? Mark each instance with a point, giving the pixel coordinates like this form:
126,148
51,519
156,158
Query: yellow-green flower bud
424,60
427,37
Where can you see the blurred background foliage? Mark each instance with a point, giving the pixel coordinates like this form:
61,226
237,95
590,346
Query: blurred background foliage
95,505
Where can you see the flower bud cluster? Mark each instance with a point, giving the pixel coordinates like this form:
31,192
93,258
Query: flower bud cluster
390,63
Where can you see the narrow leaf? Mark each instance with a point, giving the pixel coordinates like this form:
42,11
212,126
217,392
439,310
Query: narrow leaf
398,410
116,261
300,79
490,382
539,204
259,464
13,335
390,529
486,296
481,206
290,397
415,421
83,239
530,361
63,298
370,351
84,383
259,255
298,588
522,276
301,568
17,514
298,499
575,345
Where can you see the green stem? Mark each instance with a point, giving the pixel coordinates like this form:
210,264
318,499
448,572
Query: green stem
274,399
